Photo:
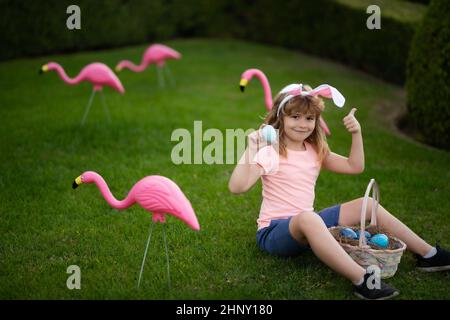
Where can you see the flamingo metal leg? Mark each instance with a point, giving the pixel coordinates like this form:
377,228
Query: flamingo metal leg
145,253
170,76
160,77
167,255
105,106
88,107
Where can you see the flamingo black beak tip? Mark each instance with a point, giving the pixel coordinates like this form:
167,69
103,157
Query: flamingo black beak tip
74,185
242,88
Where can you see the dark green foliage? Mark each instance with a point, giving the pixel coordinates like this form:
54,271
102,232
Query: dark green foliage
330,28
429,76
39,27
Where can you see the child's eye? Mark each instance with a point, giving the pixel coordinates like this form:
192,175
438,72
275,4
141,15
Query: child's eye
311,118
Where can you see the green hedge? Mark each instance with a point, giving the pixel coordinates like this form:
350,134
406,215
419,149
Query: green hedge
429,76
39,27
337,29
330,28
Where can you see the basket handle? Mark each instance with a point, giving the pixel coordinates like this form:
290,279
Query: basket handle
373,220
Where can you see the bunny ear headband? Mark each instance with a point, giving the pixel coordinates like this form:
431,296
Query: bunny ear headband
323,90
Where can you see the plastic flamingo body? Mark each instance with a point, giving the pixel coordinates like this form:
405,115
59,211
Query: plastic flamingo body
97,73
156,194
156,53
247,76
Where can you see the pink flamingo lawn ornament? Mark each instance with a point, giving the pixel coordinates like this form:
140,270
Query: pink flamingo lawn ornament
250,73
156,194
97,73
157,54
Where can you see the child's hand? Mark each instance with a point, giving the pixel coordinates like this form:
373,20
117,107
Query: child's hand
351,123
256,141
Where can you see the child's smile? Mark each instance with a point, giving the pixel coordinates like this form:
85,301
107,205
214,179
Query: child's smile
298,127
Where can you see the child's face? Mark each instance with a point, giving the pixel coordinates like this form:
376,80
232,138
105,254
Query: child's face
298,126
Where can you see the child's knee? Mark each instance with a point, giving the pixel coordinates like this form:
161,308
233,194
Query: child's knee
307,219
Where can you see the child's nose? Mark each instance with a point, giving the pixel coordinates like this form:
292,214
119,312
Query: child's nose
303,122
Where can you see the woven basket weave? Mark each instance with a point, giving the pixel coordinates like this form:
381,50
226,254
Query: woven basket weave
386,259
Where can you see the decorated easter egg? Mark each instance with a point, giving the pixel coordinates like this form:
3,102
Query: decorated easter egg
366,233
348,233
269,134
380,240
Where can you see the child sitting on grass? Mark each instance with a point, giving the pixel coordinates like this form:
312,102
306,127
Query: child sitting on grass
287,223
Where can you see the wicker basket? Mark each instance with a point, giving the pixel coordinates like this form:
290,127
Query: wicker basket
386,259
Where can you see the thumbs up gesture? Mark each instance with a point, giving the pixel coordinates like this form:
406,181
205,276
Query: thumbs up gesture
351,123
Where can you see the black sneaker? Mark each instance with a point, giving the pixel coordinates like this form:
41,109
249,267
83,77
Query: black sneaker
364,292
439,262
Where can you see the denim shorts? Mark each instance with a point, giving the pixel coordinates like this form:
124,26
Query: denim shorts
277,240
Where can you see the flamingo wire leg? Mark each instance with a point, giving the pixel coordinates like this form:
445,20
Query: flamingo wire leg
88,107
170,76
105,106
167,255
145,253
160,77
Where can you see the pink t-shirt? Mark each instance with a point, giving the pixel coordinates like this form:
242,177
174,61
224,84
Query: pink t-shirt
288,183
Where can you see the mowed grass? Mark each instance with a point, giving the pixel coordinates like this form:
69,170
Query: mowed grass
45,226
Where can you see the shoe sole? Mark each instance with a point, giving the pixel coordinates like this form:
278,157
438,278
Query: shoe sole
396,293
433,269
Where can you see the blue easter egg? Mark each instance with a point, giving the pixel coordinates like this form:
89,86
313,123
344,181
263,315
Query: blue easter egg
269,134
348,233
380,240
366,233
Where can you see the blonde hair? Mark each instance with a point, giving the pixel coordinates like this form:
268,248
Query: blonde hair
303,105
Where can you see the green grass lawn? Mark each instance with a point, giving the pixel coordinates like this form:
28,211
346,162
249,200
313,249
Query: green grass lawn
45,226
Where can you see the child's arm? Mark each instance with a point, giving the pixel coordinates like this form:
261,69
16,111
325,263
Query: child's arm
355,162
246,172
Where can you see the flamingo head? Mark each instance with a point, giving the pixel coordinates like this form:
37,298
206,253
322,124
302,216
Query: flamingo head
245,78
49,66
119,67
86,177
43,69
243,84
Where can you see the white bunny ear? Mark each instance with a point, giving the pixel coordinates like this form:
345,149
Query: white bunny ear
291,87
329,92
283,102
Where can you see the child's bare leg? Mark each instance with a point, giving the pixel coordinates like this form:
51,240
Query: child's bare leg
309,228
350,214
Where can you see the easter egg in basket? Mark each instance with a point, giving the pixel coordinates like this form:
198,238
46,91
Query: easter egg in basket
380,240
348,233
366,233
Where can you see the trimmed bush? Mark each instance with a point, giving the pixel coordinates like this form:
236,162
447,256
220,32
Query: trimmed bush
429,76
337,29
330,28
39,27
